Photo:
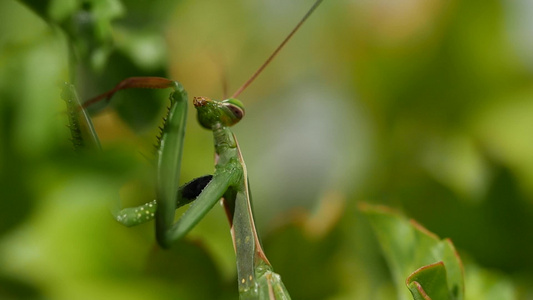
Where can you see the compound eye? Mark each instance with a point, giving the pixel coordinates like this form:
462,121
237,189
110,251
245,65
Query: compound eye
236,107
237,112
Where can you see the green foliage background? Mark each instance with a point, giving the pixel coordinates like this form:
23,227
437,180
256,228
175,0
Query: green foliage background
425,106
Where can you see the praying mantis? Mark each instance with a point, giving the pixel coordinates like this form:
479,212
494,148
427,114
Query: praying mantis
229,182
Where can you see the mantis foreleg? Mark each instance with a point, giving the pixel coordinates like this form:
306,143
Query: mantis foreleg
80,124
223,178
83,135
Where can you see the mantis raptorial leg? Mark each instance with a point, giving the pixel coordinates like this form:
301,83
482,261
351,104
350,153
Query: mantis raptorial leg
229,181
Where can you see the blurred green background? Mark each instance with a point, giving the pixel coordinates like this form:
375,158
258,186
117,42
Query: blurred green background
422,105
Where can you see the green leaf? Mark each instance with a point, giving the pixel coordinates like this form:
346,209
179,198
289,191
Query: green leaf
407,246
429,282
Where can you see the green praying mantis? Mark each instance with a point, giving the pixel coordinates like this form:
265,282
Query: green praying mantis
229,182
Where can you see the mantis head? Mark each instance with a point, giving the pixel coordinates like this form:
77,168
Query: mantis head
214,114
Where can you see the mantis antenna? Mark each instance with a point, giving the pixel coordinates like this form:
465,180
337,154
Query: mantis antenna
271,57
